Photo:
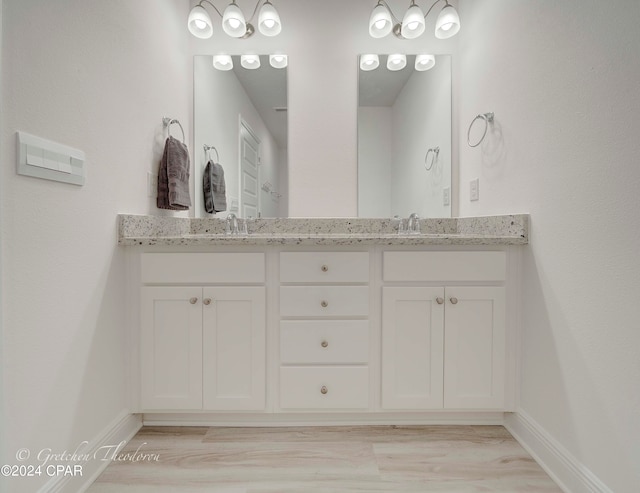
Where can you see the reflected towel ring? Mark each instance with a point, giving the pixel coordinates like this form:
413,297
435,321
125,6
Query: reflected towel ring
208,148
488,118
436,151
170,121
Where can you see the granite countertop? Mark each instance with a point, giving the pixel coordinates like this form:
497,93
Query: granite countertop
512,229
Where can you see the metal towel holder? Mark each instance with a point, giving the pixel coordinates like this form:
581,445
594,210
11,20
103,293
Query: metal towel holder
167,122
488,118
435,151
208,148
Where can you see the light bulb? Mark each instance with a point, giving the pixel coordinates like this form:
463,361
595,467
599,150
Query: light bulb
424,62
233,21
222,62
448,22
380,23
369,62
250,62
413,22
199,23
396,62
269,20
278,60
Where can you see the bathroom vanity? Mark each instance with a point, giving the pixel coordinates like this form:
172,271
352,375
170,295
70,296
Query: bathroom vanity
311,321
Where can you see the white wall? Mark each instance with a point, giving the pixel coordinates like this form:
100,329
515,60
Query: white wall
98,76
375,153
323,41
562,79
221,100
421,119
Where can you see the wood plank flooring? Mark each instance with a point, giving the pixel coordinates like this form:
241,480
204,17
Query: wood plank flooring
353,459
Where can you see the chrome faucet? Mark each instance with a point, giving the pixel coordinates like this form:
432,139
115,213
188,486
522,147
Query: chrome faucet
413,224
232,224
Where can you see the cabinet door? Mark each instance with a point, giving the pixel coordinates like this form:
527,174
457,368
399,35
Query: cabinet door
171,348
234,348
474,370
412,339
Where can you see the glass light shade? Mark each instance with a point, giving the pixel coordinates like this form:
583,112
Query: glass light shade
413,23
369,62
396,62
199,23
222,62
448,23
380,23
425,62
250,61
269,20
233,21
278,61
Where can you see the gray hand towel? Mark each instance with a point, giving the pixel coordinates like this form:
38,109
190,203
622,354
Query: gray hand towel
173,177
215,198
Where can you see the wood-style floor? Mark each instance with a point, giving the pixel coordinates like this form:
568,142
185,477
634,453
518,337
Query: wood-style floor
325,459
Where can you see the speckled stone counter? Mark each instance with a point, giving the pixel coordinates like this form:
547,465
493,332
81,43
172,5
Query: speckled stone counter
512,229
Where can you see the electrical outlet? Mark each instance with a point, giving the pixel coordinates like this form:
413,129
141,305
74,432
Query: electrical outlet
446,196
152,184
474,189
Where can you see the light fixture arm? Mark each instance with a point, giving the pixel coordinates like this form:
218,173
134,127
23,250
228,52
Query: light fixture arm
434,4
393,16
210,3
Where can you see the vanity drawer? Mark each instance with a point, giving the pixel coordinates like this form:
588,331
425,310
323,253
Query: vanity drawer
324,341
444,266
203,268
333,387
324,267
324,301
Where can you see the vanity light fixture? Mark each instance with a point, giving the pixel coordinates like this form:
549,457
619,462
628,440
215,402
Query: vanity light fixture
222,62
233,20
396,62
278,60
383,21
369,62
250,62
425,62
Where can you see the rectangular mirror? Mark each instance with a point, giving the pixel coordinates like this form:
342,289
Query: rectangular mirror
242,113
404,137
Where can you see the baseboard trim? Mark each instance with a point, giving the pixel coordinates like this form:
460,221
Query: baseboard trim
567,471
322,419
123,428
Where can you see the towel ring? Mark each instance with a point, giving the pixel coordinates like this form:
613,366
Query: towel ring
436,151
170,121
488,118
208,148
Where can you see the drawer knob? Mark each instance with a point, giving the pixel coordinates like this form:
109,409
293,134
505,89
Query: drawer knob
324,390
207,301
324,344
324,268
324,304
439,301
193,300
454,300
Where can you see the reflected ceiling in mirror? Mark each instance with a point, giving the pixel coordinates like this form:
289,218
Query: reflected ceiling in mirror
404,136
241,110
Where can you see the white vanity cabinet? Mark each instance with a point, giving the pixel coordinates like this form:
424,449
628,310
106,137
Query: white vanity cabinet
443,340
324,331
203,346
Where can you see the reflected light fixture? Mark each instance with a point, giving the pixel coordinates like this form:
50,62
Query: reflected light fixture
396,62
278,60
369,62
234,22
222,62
383,21
425,62
250,62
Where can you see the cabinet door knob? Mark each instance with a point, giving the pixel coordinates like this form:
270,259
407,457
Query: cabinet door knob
324,268
439,301
324,344
207,301
193,300
324,304
454,300
324,390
